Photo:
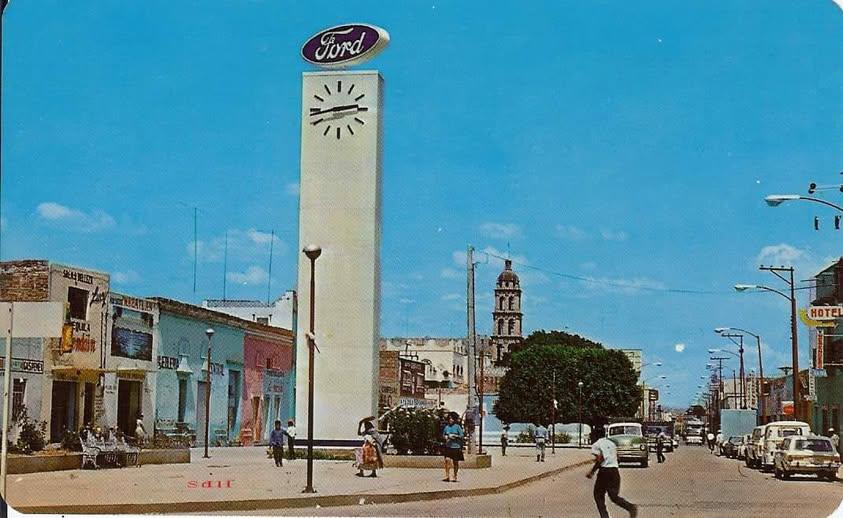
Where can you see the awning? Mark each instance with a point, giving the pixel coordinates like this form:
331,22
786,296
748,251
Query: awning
81,373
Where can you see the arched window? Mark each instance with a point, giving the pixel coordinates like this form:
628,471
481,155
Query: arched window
501,303
500,327
511,327
511,302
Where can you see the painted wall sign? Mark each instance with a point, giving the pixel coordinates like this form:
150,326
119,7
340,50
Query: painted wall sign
820,352
77,276
131,344
24,365
168,362
345,45
825,312
133,303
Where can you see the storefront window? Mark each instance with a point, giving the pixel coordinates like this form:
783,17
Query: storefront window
78,300
18,393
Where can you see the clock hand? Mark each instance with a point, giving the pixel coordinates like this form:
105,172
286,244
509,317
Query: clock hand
316,111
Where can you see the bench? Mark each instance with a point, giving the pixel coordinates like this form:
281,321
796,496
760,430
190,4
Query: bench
177,432
109,454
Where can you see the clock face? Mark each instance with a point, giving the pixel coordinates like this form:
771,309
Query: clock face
338,110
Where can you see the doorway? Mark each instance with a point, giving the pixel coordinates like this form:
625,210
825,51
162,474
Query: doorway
256,417
201,391
128,405
63,412
88,404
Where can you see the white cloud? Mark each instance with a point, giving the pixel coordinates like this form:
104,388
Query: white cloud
570,232
407,301
460,258
839,3
127,277
622,286
247,245
73,219
252,275
805,262
452,296
450,273
500,230
679,347
613,235
291,189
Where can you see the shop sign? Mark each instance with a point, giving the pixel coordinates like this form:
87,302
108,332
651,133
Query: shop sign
825,312
654,395
168,362
820,350
812,386
24,365
137,304
418,403
273,382
344,45
820,373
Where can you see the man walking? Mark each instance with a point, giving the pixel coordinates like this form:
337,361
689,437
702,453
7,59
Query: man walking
608,476
660,446
541,441
835,439
719,442
710,439
290,432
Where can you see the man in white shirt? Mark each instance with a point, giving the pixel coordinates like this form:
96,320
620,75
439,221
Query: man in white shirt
608,477
290,432
541,441
719,442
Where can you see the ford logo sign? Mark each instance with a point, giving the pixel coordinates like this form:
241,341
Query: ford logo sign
344,45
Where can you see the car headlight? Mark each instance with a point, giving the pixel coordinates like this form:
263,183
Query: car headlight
643,447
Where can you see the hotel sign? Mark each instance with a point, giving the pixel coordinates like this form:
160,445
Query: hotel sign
803,315
345,45
825,312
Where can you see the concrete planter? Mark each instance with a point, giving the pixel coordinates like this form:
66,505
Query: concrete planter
67,461
435,461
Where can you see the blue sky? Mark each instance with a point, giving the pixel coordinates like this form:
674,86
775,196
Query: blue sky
625,143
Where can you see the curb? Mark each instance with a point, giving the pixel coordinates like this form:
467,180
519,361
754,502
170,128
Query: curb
289,503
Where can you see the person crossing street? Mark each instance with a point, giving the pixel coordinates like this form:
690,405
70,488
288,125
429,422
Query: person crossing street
608,476
660,439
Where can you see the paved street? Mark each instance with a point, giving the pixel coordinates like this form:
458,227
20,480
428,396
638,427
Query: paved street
691,483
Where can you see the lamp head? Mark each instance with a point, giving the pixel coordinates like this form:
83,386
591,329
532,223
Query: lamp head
579,384
209,332
774,200
744,287
658,364
312,251
719,330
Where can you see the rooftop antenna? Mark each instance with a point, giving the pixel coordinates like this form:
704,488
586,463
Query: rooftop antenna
195,247
508,255
269,281
225,266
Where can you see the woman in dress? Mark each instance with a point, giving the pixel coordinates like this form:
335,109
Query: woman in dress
454,437
373,438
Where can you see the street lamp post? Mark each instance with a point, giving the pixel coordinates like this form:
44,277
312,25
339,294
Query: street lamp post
210,333
794,340
579,411
312,252
761,402
553,417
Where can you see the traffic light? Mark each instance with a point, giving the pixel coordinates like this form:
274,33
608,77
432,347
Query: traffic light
816,223
837,222
812,188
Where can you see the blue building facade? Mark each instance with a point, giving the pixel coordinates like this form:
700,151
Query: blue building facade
182,361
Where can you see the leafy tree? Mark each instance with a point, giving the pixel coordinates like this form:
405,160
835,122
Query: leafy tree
527,389
553,337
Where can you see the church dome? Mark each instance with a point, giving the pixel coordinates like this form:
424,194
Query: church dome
507,275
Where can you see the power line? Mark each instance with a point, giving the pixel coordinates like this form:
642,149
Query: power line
609,282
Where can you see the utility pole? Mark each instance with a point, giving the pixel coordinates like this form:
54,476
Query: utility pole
472,336
794,340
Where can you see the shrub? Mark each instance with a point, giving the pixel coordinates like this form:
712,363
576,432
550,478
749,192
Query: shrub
563,438
70,441
33,434
415,430
528,435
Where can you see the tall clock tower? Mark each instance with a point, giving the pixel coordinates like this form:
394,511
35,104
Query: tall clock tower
340,211
506,317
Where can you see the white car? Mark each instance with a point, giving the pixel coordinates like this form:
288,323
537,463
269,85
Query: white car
774,434
812,455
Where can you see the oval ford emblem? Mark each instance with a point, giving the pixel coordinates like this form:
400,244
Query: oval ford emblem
344,45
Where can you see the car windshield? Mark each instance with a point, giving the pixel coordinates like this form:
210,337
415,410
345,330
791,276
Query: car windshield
734,440
625,430
813,445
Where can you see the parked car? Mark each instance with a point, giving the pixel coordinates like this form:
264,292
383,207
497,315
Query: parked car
753,447
774,434
813,455
632,445
730,447
745,440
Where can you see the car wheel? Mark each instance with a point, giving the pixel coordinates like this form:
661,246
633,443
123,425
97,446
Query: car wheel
645,463
746,462
776,473
785,474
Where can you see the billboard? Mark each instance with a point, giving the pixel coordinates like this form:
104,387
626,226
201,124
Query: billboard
131,344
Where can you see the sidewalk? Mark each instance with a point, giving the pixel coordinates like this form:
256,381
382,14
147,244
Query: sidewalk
245,479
